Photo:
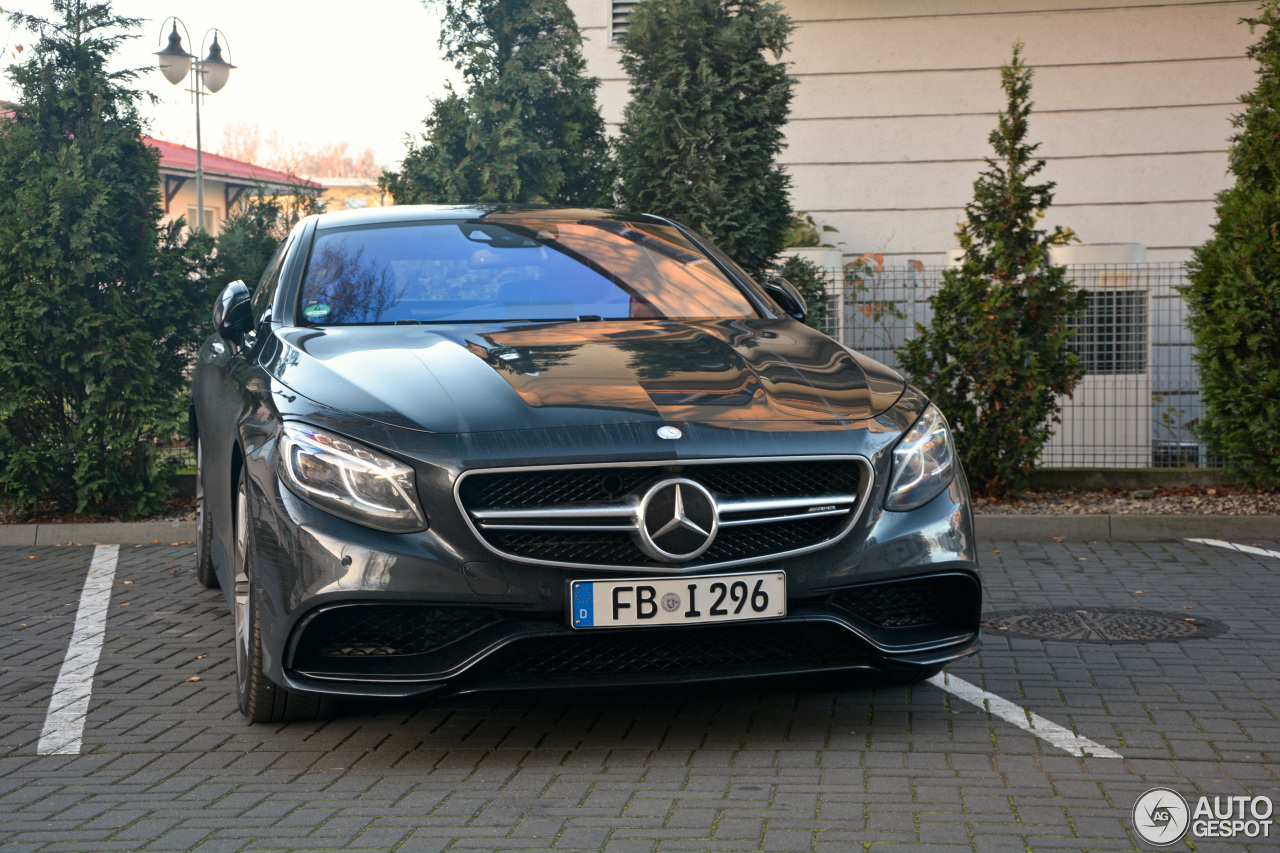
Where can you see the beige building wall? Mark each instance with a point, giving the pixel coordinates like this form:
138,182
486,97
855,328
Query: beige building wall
184,203
895,99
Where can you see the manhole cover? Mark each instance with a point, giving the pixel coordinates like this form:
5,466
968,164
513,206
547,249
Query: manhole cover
1102,625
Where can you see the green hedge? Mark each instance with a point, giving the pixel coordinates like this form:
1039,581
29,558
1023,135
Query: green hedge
1234,290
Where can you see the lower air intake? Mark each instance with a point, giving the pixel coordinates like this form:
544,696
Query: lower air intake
914,603
386,630
678,650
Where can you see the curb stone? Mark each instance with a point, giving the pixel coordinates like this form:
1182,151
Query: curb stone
1074,527
1120,528
120,533
1127,528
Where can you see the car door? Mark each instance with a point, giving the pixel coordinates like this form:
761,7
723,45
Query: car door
225,395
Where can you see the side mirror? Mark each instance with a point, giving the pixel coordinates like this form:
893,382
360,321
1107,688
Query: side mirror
787,297
232,313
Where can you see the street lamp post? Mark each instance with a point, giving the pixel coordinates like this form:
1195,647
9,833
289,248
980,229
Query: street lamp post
210,73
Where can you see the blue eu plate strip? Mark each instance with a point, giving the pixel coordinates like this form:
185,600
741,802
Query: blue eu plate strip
584,611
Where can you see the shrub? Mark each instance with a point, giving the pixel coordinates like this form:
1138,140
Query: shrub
527,129
996,357
803,233
702,132
1234,290
99,311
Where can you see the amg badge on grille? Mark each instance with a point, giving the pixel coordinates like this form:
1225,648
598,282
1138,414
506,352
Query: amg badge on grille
669,432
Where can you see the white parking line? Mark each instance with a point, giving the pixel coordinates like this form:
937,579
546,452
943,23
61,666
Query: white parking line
1247,549
64,724
1048,731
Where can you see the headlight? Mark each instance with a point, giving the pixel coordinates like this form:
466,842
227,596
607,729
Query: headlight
923,462
349,480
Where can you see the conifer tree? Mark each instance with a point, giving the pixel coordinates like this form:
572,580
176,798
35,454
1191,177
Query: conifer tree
703,130
98,314
996,356
527,128
1234,293
253,231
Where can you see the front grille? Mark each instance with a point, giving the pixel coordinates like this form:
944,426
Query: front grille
738,543
678,650
618,549
781,479
549,488
766,508
543,488
384,630
914,603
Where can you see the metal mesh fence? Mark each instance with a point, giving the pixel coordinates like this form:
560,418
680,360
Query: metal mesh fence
1140,396
178,455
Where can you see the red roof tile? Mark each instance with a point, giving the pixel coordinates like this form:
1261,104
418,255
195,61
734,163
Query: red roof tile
181,158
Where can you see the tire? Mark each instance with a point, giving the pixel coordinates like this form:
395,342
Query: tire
259,698
205,573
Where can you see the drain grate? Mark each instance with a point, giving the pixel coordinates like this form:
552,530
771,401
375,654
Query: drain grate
1102,625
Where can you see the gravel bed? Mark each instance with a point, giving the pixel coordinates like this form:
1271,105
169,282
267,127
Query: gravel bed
1180,500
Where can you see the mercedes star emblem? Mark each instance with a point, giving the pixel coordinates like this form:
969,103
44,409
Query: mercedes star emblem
669,432
678,520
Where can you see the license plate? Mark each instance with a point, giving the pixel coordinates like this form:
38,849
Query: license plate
650,602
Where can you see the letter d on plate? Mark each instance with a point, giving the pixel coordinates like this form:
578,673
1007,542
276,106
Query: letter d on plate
584,613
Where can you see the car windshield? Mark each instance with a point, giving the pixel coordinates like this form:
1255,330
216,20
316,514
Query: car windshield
505,267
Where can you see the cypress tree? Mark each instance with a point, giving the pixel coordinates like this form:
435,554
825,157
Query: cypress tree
703,130
996,357
1234,291
527,129
98,315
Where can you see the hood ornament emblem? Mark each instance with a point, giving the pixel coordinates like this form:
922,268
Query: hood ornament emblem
669,432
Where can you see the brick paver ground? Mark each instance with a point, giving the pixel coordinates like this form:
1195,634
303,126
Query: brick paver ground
828,765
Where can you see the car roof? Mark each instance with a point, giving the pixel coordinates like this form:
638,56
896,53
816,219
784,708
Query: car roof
403,213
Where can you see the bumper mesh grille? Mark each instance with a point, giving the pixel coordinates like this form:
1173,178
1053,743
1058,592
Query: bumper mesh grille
913,603
383,630
678,650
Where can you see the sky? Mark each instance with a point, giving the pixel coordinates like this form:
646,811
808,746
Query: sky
318,72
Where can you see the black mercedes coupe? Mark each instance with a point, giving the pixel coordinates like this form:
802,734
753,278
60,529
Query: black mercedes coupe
457,449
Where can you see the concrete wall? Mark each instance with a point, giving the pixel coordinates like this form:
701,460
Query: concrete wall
895,100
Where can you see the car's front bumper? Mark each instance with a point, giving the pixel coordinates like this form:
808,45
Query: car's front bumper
311,565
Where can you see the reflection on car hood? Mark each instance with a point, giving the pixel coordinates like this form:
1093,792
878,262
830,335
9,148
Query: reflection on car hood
752,374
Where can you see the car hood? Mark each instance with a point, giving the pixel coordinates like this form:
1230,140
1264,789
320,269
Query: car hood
765,374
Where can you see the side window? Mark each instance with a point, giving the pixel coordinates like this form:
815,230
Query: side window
266,290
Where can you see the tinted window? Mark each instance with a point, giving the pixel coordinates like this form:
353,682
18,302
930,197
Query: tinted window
266,289
513,267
